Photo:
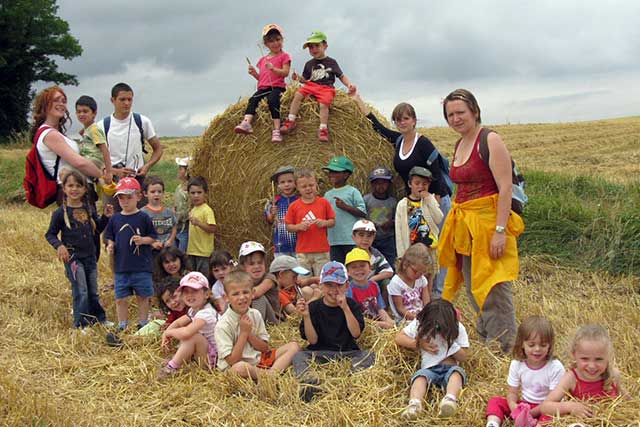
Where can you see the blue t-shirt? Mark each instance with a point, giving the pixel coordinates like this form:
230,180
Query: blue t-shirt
128,257
283,241
341,233
163,221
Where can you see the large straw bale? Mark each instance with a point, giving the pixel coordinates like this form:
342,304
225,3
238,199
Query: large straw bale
238,167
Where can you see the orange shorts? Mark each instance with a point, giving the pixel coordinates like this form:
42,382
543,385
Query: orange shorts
323,94
267,358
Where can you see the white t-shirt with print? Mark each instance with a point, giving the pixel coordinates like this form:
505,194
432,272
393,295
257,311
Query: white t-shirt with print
535,384
124,140
411,297
430,359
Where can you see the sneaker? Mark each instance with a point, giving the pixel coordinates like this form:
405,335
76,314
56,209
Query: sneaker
166,371
448,407
414,408
308,390
288,126
108,324
244,128
323,134
276,136
113,340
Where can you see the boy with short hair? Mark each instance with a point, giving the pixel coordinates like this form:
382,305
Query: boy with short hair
318,77
363,235
364,290
94,143
284,242
241,337
129,235
309,217
202,226
163,218
331,325
381,207
286,270
348,204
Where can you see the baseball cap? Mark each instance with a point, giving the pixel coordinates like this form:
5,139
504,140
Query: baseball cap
315,37
420,171
270,27
364,224
247,248
333,271
282,170
183,161
286,262
195,280
340,164
357,254
127,185
380,172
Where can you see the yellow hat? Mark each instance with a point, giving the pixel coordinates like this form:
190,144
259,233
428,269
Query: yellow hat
357,254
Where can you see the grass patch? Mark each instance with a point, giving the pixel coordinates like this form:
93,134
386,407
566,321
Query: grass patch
586,222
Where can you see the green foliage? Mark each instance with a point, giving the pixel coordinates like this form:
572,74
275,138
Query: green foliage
583,221
30,36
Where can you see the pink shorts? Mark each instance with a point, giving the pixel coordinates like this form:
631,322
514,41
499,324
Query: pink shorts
323,94
212,352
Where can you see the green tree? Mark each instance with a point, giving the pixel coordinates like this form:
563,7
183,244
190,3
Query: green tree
30,36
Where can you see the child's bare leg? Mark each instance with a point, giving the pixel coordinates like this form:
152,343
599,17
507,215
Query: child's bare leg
324,114
196,346
493,418
248,118
418,389
245,370
284,356
276,123
295,104
454,385
143,308
122,310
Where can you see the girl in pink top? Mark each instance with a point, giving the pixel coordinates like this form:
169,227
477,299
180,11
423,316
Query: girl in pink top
272,69
593,376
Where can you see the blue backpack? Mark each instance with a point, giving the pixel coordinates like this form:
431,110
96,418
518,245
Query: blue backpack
136,118
444,164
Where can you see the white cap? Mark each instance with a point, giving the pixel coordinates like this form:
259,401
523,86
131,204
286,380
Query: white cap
247,248
364,224
183,161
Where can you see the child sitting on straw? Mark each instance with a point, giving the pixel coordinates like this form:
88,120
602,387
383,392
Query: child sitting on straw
266,298
331,325
241,336
318,78
284,242
286,269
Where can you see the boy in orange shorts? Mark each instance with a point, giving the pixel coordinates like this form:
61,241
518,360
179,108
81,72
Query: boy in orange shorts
318,77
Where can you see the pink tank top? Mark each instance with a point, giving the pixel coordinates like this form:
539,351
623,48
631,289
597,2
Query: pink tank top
474,178
585,390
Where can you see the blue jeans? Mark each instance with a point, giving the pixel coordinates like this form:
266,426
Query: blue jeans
182,239
439,375
83,275
438,283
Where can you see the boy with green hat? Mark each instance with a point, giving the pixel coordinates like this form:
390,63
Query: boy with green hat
318,77
347,203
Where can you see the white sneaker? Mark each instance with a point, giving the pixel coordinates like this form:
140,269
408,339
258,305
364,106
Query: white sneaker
448,407
414,408
108,324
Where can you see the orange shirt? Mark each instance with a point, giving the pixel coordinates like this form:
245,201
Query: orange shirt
314,239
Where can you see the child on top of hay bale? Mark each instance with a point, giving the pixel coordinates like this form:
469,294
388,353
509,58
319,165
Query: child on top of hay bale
284,242
202,226
129,235
409,290
381,206
241,336
364,290
347,203
309,217
266,297
331,325
273,68
195,330
443,343
318,77
534,373
363,234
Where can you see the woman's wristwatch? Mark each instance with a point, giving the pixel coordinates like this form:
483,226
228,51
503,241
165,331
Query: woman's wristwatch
500,229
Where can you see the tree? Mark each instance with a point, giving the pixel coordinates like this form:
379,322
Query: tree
30,35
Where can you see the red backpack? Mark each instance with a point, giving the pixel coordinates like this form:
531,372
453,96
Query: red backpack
41,187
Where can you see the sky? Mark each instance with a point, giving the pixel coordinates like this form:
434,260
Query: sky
526,62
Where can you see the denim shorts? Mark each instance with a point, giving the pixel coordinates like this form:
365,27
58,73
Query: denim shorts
438,375
139,283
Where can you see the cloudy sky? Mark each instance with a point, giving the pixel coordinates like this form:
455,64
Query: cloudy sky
541,61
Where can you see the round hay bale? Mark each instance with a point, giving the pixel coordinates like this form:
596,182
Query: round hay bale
238,167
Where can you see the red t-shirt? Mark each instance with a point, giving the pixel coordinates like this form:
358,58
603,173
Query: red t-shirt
314,239
175,315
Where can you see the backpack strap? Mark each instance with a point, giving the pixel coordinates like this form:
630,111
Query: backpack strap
36,137
433,156
138,120
106,123
399,140
483,146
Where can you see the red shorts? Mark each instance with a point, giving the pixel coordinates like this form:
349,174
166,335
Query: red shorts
323,94
267,358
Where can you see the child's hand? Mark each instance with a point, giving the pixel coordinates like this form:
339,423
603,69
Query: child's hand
302,307
110,248
580,410
245,324
274,213
108,210
157,245
341,299
252,71
166,340
352,89
269,66
428,346
63,253
340,203
304,225
137,239
193,220
295,76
